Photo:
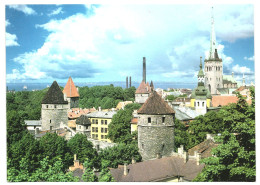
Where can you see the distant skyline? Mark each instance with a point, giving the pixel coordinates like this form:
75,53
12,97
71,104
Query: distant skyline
96,43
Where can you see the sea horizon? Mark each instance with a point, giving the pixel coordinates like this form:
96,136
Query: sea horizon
39,86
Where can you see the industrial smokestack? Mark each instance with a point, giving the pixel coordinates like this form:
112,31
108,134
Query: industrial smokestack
126,82
130,82
144,69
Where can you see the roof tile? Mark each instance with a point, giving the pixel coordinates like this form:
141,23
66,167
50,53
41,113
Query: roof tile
70,90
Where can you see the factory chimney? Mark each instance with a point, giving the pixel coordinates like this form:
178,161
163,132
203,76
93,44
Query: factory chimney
144,69
130,82
126,82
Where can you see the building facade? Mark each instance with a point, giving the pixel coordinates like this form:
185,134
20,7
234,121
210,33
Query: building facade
155,128
54,110
99,124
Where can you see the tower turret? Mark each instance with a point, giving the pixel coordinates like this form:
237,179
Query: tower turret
71,94
155,128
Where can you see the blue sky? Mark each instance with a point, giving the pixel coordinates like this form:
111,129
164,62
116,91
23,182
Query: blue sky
94,43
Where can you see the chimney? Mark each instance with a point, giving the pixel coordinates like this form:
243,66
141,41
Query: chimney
125,169
186,157
126,83
76,162
198,157
133,161
130,82
144,69
180,150
75,157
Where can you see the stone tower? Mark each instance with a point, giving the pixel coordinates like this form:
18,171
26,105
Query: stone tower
213,65
155,128
71,94
201,97
54,108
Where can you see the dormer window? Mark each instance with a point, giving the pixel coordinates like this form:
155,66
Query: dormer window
149,120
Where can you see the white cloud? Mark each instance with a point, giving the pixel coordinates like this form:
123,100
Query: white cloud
241,70
11,40
23,8
112,42
250,58
56,11
7,23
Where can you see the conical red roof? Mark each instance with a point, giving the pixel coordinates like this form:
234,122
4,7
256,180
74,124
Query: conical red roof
70,89
155,105
143,88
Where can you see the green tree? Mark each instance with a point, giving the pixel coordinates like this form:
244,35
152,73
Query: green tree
89,175
119,130
235,157
80,145
55,147
120,154
181,136
170,97
105,175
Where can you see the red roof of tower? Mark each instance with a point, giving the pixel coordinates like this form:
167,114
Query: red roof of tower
143,88
70,89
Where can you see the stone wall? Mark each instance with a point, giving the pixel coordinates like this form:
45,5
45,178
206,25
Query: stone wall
213,75
53,115
141,98
73,102
157,137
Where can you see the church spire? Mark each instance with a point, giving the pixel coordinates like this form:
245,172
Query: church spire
212,38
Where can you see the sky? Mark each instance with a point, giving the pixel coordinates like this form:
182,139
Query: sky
107,42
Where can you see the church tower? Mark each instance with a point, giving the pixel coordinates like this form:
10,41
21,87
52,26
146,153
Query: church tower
213,65
54,108
71,94
200,97
155,128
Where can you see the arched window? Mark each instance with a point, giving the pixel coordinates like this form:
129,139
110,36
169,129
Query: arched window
198,104
202,104
209,88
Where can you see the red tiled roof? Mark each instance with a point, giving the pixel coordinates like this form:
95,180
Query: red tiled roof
77,112
223,100
70,90
143,88
155,105
134,120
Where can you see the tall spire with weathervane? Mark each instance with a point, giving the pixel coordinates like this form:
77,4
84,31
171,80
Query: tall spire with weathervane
212,38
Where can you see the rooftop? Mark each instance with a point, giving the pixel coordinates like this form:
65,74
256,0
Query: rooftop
155,105
158,170
223,100
54,95
83,120
70,90
143,88
185,113
102,114
204,148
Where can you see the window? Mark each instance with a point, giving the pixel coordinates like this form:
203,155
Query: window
96,129
149,120
105,122
79,127
198,104
47,106
202,104
55,106
163,119
102,122
105,130
102,136
50,127
50,120
96,121
102,130
96,136
142,146
93,121
93,136
93,129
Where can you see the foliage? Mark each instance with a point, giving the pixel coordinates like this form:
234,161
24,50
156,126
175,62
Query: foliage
119,130
181,136
120,154
45,173
89,175
80,145
105,175
235,157
210,123
55,147
170,97
104,96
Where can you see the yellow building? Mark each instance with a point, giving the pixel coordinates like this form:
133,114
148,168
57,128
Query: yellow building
99,124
